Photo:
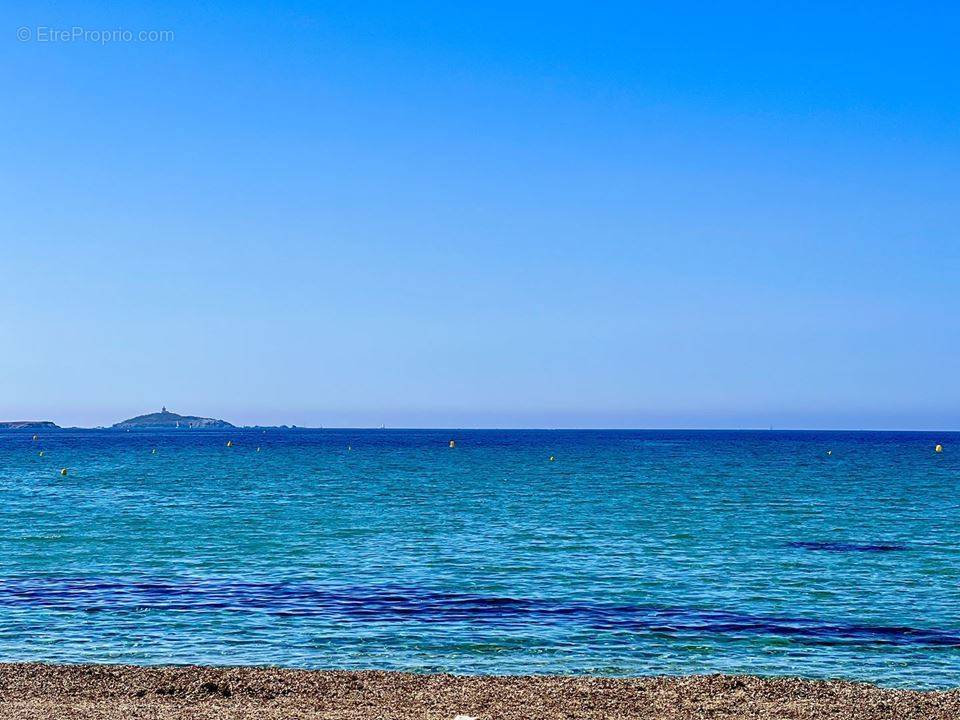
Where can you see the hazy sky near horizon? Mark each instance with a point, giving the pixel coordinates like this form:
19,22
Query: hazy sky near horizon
486,214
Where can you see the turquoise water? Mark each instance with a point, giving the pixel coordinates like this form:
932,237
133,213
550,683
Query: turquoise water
632,553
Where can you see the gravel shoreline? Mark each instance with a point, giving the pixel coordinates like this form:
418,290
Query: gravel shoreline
95,692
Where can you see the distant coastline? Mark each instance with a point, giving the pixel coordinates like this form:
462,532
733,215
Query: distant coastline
29,425
165,420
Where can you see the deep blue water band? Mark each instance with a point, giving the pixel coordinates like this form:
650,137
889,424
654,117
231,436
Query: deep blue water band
402,604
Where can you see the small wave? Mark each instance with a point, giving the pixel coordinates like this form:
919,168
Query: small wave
846,547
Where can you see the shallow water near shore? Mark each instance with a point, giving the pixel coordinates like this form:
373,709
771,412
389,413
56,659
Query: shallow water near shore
633,553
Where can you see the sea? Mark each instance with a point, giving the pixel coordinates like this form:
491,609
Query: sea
618,553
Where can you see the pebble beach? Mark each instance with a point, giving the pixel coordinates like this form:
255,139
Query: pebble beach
110,692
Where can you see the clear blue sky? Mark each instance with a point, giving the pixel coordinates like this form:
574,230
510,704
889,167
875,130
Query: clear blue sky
483,214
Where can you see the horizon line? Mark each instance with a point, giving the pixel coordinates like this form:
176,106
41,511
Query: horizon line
491,428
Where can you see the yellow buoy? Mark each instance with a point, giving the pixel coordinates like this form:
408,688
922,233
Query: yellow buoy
229,443
453,443
938,448
63,471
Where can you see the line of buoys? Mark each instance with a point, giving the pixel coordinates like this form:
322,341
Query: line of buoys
63,471
938,448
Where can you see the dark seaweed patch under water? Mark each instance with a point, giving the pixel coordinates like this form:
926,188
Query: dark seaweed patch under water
402,604
846,547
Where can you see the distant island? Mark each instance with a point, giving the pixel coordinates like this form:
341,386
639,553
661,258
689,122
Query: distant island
29,425
169,420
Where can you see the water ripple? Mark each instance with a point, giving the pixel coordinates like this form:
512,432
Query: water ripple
846,547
